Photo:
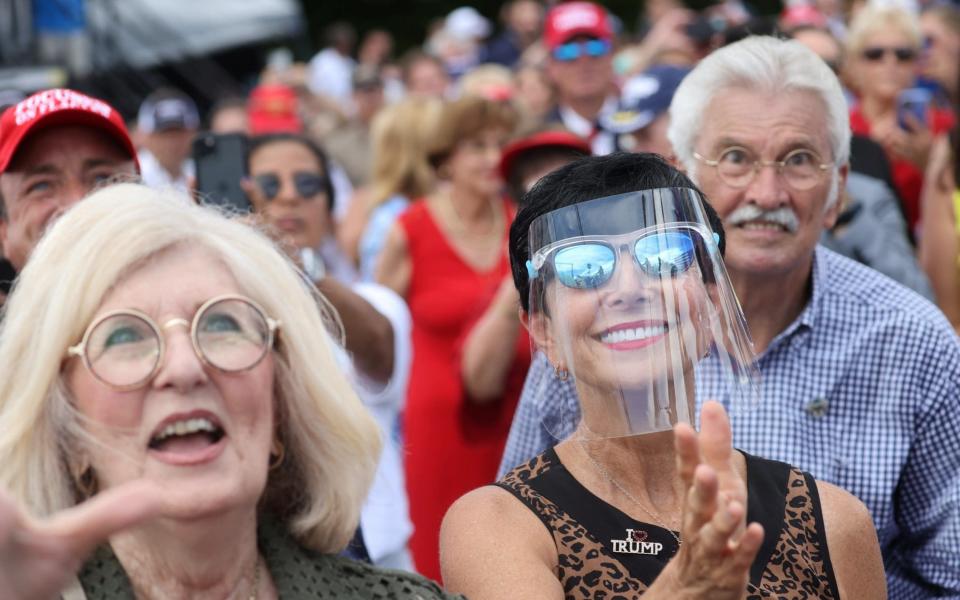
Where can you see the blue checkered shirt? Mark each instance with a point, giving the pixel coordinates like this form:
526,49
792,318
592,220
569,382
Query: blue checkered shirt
861,390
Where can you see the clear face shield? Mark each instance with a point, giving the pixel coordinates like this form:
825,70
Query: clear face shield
630,301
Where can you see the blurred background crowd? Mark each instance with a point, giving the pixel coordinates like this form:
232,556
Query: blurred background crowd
425,124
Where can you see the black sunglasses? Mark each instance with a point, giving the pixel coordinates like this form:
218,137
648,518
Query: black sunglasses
903,54
307,185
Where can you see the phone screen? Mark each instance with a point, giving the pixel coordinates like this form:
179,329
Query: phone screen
221,162
914,102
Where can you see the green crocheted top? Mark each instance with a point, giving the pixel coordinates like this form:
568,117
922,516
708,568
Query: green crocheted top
296,572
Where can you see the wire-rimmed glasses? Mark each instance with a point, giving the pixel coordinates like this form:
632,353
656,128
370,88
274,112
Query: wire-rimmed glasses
124,348
801,169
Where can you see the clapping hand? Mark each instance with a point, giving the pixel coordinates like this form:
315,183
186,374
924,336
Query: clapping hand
718,546
38,557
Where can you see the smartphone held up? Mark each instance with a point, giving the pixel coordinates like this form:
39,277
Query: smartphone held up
913,108
221,163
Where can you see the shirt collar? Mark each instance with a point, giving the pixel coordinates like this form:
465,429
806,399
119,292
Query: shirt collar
573,121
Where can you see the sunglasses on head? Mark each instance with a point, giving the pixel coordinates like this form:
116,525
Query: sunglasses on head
573,50
589,264
307,185
903,53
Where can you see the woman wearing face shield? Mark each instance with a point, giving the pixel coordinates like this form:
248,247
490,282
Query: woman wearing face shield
618,259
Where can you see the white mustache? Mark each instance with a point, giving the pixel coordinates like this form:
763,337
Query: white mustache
751,212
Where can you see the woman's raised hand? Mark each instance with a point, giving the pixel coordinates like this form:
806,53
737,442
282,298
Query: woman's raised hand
38,557
718,546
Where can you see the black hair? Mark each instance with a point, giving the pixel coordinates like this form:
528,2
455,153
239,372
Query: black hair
534,160
260,141
586,179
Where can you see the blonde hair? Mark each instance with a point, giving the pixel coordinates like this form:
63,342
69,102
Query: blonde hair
399,133
874,18
332,444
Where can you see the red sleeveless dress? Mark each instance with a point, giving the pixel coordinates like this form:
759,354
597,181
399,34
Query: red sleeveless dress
451,445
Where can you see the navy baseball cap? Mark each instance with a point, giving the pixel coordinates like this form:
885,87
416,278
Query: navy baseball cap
643,98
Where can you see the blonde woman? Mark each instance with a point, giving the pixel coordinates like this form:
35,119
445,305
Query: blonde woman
400,175
170,399
883,50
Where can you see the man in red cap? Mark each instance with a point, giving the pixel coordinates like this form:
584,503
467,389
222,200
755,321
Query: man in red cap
579,40
55,146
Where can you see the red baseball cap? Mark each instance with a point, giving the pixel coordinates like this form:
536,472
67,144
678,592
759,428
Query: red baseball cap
56,107
571,19
273,108
543,139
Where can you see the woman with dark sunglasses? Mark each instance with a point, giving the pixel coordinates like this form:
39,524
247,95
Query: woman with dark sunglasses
883,49
292,195
618,262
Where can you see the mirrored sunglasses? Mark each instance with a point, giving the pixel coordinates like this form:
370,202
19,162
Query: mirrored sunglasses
306,184
591,263
573,50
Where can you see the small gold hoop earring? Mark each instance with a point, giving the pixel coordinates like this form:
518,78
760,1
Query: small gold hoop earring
86,483
277,454
561,373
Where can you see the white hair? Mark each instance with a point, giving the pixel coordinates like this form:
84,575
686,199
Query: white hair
766,65
331,442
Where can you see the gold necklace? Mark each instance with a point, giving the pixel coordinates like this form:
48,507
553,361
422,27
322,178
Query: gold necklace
495,220
255,589
658,521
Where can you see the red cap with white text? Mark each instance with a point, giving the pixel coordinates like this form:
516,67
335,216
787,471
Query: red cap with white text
59,107
571,19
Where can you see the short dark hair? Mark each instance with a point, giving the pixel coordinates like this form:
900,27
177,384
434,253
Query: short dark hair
258,142
586,179
534,160
3,206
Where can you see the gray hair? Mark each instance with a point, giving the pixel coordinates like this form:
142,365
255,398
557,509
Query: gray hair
764,64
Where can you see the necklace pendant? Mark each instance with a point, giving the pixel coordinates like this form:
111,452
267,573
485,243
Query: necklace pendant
636,543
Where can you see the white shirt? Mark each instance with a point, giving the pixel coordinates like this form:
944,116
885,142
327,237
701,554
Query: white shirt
385,517
601,144
154,175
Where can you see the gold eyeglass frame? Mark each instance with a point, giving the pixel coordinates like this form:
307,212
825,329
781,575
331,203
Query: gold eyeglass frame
79,350
779,166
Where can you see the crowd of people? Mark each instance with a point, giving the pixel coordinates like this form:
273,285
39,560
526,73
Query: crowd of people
554,311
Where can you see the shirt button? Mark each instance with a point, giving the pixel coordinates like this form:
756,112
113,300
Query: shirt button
817,407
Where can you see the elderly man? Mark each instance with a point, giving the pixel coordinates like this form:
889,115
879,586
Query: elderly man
861,377
55,146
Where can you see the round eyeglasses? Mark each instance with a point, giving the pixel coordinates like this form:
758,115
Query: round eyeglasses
801,169
124,348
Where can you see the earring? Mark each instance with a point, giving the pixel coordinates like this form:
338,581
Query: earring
85,481
277,454
561,373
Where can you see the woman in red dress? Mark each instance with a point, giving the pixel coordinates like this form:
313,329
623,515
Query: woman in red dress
884,49
448,257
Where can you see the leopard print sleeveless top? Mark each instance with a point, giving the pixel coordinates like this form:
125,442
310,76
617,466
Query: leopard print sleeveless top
603,553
